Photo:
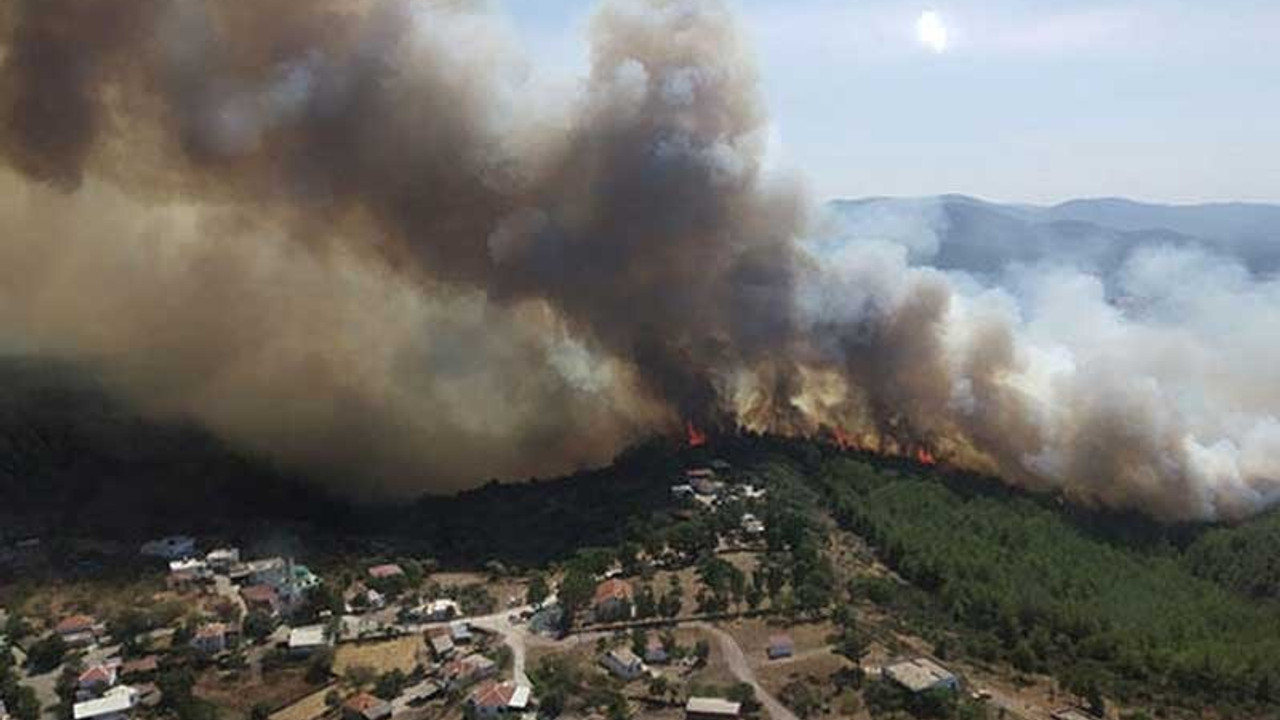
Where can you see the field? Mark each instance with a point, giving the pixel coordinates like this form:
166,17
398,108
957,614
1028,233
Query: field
237,697
381,655
308,708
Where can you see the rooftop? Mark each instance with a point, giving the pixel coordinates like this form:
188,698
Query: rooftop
386,571
117,700
919,674
712,706
613,589
307,636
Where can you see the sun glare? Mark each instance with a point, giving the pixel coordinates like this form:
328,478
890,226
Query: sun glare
931,32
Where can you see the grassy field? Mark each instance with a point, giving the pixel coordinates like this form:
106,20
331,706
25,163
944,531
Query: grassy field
382,655
308,708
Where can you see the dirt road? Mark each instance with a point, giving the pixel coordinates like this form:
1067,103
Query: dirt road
741,669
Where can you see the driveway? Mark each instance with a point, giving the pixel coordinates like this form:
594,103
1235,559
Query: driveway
741,669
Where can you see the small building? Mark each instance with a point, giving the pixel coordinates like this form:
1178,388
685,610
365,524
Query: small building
304,641
115,704
470,669
94,681
460,633
210,639
188,571
708,708
222,560
612,600
441,644
364,706
78,631
781,646
683,491
438,610
752,525
623,663
493,699
261,598
655,652
386,571
920,675
174,547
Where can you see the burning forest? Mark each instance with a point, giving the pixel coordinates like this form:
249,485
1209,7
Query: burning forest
358,236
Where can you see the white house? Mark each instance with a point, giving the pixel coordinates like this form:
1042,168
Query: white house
223,559
114,705
623,663
709,708
307,639
920,675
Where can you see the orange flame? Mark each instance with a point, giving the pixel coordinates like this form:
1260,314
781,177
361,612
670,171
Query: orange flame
924,457
695,437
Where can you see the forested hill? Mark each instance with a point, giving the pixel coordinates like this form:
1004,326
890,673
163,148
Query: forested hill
74,462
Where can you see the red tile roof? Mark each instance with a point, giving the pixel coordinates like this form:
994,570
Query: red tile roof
385,571
493,694
147,664
363,703
613,589
260,593
211,630
97,675
75,624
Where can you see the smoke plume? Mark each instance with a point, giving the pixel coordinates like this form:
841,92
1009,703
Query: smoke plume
351,233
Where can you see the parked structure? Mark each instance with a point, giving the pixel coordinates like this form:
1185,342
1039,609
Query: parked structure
920,675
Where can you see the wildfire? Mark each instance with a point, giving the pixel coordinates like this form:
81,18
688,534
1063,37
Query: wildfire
924,457
693,435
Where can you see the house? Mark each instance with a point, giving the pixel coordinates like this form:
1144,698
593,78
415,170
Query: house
655,652
498,698
304,641
708,708
78,630
364,706
683,491
262,598
752,525
612,600
920,675
188,572
623,663
780,646
221,560
142,667
386,571
441,644
468,670
115,704
210,638
94,681
174,547
460,632
438,610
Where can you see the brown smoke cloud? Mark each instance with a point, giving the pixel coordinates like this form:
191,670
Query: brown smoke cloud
347,233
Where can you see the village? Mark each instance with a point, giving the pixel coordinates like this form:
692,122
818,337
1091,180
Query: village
701,628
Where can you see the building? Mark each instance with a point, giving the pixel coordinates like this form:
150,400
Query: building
210,639
222,560
386,571
174,547
261,598
437,610
683,491
781,646
94,681
78,631
920,675
655,652
752,525
623,663
188,572
460,632
115,704
470,669
498,698
364,706
707,708
441,644
304,641
612,600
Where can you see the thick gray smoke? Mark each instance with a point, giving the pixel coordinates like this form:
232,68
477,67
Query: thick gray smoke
352,234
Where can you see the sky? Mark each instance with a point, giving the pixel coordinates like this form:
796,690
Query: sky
1029,101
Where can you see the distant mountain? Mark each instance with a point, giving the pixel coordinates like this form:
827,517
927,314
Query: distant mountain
966,233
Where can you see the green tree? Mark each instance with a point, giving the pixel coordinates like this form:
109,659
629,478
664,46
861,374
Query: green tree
46,654
538,590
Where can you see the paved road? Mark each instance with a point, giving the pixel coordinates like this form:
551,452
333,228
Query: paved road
741,669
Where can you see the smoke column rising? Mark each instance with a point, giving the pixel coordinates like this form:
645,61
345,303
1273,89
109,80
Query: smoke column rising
352,235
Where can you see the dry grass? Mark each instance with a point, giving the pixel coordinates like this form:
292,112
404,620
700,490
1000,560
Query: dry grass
382,655
308,708
238,697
